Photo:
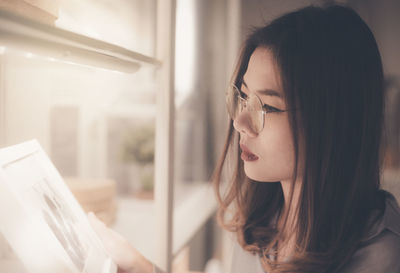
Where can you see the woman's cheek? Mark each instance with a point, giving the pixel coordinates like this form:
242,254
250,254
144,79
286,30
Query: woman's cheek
276,152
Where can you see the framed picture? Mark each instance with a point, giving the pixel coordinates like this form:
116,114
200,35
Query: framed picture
41,219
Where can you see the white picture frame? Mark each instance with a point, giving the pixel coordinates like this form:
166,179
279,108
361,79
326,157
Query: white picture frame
41,219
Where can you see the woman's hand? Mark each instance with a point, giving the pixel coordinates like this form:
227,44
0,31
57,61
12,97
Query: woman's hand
128,259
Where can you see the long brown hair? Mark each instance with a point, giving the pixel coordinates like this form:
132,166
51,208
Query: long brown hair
331,73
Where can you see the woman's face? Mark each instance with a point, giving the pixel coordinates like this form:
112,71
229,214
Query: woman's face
268,155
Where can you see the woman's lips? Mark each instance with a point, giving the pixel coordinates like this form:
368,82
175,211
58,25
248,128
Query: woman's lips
246,154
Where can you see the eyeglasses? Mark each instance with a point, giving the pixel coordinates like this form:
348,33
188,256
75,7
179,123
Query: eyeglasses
237,101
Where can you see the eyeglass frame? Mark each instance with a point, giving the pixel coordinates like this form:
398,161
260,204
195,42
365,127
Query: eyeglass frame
244,101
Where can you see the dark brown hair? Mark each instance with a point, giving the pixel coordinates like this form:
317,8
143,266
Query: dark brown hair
331,73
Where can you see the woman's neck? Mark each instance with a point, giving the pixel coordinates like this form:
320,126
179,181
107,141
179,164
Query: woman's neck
289,208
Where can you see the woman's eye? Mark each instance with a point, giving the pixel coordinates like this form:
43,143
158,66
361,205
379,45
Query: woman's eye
270,108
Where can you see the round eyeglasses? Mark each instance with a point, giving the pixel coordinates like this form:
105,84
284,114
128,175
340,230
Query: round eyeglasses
237,101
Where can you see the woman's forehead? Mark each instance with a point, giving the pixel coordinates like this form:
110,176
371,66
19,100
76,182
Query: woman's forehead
262,70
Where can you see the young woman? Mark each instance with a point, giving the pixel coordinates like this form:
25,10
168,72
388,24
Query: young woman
306,107
307,112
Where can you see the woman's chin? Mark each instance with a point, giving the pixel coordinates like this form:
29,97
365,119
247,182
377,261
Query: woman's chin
259,177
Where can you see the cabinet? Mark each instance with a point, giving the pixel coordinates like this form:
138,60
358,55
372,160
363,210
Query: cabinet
103,105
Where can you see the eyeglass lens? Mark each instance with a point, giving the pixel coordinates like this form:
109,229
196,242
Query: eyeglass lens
236,104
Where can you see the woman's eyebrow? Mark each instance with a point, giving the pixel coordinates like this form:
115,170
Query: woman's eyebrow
266,92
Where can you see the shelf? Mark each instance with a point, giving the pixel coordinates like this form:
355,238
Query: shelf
191,213
136,222
49,41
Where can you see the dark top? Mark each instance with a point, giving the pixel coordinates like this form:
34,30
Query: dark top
378,253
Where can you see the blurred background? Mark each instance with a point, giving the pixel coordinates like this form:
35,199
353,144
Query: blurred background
127,99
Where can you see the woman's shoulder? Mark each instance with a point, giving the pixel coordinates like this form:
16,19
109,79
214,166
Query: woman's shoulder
381,254
380,249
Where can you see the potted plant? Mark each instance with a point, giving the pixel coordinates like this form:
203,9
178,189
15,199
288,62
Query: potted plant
138,150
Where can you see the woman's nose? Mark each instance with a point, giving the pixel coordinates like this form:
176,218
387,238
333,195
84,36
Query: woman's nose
242,124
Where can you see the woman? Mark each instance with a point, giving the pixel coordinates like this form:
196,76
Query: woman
306,108
307,105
